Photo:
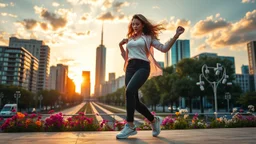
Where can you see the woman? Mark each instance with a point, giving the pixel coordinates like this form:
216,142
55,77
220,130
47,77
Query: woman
139,65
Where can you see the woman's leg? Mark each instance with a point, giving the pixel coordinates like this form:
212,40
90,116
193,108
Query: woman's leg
141,108
134,82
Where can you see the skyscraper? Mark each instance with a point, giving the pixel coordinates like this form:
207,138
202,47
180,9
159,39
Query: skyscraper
245,69
18,67
100,66
251,49
86,85
42,52
111,76
179,51
59,78
215,55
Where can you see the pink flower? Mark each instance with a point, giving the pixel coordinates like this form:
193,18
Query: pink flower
69,119
81,113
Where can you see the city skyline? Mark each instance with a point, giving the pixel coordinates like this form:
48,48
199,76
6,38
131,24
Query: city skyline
72,28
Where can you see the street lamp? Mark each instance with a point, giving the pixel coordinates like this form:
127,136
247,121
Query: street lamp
17,95
219,71
1,96
227,97
40,99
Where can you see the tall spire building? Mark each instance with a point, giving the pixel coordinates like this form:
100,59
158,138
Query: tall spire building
100,66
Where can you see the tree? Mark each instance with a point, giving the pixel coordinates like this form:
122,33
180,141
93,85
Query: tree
186,87
151,95
248,98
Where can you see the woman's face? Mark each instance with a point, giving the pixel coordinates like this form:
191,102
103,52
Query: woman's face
137,26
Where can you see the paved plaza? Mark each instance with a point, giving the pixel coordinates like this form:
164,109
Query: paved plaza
207,136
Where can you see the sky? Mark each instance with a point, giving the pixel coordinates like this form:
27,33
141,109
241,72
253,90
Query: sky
72,28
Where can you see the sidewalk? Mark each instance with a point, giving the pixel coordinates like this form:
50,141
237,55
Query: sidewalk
202,136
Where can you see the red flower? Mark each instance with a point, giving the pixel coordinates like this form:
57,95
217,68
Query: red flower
51,112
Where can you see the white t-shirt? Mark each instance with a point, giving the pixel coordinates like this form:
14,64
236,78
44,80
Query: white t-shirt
137,49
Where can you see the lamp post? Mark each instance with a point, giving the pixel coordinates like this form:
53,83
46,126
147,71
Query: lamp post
219,71
227,97
40,99
1,96
17,95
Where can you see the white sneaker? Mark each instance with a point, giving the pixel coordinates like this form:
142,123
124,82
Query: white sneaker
126,132
156,126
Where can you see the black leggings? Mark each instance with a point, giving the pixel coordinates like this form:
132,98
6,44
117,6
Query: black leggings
137,73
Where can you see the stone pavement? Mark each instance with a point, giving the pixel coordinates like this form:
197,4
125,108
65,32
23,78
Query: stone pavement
201,136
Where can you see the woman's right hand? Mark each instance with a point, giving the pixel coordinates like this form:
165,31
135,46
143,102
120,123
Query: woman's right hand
124,41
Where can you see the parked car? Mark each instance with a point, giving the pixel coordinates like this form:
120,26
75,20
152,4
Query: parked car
238,109
172,108
8,110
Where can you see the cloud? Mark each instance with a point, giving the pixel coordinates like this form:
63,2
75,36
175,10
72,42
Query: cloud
55,21
107,4
106,16
248,1
85,17
2,5
4,38
109,16
82,2
201,47
29,24
118,5
82,33
229,34
10,15
65,60
172,24
55,4
209,25
33,36
44,26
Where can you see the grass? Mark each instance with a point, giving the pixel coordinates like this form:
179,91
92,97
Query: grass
89,111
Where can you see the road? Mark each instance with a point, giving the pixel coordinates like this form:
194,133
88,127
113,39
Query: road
70,111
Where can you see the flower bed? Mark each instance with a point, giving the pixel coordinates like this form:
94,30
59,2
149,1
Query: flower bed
56,122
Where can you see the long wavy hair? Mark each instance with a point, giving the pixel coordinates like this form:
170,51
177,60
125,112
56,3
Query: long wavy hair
148,29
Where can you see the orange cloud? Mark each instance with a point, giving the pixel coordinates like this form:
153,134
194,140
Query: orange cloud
209,25
55,21
29,24
227,34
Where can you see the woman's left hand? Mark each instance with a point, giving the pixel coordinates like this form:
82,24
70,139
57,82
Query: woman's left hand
179,30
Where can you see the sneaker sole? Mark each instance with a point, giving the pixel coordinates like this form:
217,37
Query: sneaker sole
160,119
126,136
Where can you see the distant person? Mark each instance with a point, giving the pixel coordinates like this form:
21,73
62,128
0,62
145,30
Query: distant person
139,65
33,110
